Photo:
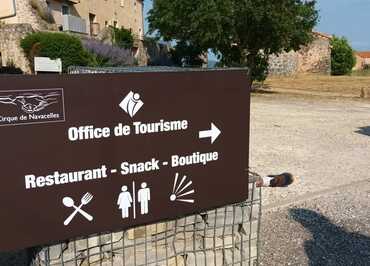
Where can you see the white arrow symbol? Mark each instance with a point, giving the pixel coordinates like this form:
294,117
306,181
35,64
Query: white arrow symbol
213,133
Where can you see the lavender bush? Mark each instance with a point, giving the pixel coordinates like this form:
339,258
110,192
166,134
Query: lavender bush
107,55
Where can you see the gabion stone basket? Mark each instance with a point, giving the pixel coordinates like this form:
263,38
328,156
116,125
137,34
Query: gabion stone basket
223,236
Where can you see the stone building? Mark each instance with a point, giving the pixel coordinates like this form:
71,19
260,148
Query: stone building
362,60
92,16
27,13
10,50
313,58
88,18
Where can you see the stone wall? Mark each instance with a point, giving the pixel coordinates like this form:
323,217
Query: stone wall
283,64
316,57
159,54
141,54
10,37
313,58
13,29
26,14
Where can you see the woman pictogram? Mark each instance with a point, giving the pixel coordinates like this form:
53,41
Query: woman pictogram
124,202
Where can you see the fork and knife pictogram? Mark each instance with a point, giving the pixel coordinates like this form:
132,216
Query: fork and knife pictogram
69,202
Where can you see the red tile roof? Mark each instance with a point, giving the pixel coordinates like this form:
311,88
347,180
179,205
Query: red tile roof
323,35
364,54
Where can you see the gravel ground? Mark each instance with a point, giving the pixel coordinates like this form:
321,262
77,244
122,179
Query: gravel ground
19,258
330,230
323,141
324,218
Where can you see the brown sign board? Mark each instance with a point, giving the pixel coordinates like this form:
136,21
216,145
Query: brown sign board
83,154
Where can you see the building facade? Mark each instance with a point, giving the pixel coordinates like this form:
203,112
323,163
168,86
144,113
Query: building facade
88,18
362,60
26,13
95,15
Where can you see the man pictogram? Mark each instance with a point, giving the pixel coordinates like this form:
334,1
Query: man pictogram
144,198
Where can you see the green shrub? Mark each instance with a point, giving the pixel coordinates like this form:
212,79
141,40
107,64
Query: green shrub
122,37
56,45
260,71
342,56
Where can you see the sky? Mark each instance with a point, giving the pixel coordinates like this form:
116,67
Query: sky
348,18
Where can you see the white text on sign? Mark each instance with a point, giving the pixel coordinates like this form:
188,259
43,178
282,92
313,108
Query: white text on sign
55,178
138,128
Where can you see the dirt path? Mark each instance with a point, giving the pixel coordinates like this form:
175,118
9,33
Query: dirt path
333,230
325,141
323,85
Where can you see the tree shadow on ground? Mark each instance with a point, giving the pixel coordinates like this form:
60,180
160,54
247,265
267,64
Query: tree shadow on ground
331,244
23,257
16,258
262,89
363,131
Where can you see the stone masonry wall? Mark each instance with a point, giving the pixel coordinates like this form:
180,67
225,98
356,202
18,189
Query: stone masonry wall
10,37
283,64
313,58
12,30
316,57
25,13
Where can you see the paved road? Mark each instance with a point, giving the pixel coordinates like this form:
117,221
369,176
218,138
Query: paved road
323,219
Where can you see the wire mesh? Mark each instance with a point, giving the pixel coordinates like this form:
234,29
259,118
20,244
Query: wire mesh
223,236
102,70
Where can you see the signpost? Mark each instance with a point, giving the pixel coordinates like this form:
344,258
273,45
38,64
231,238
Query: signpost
45,64
83,154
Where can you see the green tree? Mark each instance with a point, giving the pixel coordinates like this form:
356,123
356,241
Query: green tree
342,56
186,54
122,37
243,33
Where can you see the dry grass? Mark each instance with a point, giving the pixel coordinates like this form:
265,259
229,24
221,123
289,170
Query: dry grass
346,86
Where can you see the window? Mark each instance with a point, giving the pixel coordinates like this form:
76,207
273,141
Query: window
92,20
48,7
65,10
